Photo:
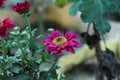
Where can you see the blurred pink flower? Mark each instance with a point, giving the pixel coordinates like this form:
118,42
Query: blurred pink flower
22,7
2,2
5,26
57,43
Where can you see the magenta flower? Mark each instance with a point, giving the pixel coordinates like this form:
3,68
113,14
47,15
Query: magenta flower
2,2
22,7
57,43
5,26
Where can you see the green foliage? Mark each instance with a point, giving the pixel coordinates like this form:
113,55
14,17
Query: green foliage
95,11
61,3
22,77
74,8
19,64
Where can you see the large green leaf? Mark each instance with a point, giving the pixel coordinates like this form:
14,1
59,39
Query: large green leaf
74,9
94,11
90,10
102,24
75,0
111,5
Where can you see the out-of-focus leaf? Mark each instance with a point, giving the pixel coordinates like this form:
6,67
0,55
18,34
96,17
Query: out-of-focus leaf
74,0
62,77
1,71
54,74
74,8
22,77
34,31
61,3
18,0
46,56
15,69
50,29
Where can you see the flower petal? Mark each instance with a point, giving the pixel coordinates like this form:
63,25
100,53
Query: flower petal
5,26
70,49
74,44
2,2
71,36
22,7
55,33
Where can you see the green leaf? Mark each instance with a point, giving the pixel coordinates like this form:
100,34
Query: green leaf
50,29
61,3
1,71
46,56
22,77
18,53
9,44
111,5
102,24
34,31
74,8
94,11
90,10
16,69
8,65
39,36
12,59
62,77
53,74
74,0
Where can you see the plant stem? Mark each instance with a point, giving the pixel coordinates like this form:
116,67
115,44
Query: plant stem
31,63
88,27
4,57
98,51
3,48
30,32
100,74
52,67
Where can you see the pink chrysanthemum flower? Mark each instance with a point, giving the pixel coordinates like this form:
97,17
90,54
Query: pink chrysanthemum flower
22,7
57,43
2,2
5,26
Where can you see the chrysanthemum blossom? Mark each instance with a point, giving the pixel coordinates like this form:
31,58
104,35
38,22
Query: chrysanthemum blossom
2,2
22,7
5,26
56,43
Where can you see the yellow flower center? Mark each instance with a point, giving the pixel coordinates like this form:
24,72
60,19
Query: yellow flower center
59,40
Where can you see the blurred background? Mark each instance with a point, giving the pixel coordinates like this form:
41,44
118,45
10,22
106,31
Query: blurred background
46,14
